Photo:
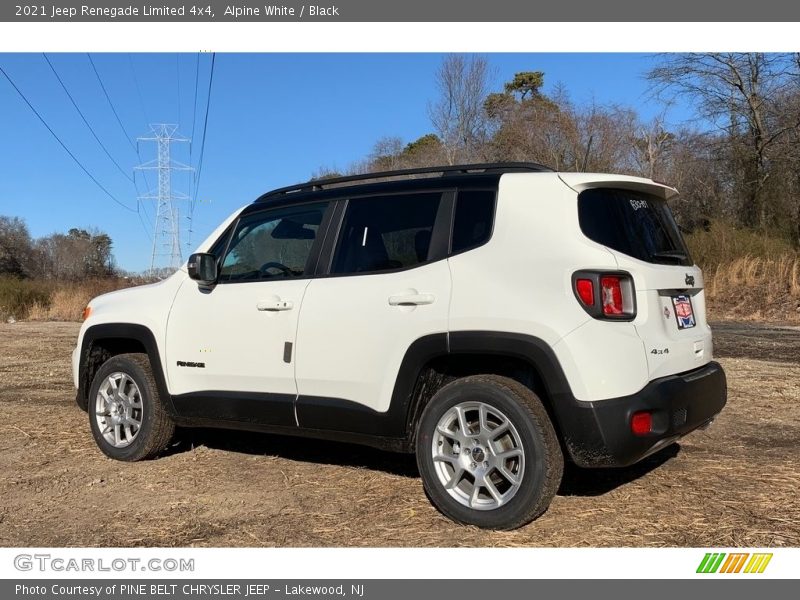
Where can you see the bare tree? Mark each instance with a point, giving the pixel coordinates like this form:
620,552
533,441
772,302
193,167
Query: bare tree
385,155
649,144
458,116
741,94
602,143
15,247
691,163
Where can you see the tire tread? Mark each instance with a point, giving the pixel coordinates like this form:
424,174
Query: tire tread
162,427
553,459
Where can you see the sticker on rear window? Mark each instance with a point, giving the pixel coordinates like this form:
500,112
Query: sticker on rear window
684,314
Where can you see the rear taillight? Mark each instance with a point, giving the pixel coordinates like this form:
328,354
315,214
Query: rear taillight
605,295
611,293
585,290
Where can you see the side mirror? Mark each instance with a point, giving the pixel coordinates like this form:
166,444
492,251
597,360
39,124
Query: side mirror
202,268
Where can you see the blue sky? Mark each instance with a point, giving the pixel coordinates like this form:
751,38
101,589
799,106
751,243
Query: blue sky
274,120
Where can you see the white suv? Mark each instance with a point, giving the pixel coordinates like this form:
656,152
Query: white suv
493,319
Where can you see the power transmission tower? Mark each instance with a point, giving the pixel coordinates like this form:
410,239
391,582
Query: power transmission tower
167,226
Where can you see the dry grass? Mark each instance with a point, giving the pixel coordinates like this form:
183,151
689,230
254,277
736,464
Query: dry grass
756,288
734,485
17,296
749,275
67,300
723,244
46,300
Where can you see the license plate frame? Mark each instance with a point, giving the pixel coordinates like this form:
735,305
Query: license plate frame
684,311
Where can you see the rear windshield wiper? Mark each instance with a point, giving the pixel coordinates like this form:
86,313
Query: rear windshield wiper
675,256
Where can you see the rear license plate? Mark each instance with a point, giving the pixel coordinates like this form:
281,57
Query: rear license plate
684,314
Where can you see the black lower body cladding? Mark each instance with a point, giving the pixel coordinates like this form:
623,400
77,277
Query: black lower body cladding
598,434
595,434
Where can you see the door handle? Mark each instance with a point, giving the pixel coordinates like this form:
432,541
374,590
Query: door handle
411,299
275,305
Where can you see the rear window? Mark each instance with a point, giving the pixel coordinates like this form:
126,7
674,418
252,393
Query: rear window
473,222
636,224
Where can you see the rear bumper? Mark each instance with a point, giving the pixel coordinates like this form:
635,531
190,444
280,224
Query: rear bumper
598,434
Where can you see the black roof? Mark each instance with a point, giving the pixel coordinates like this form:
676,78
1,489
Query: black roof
473,173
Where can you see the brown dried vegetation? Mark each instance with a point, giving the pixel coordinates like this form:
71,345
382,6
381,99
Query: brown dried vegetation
733,485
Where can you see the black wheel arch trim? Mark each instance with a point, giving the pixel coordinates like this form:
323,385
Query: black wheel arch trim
336,414
121,331
531,349
399,420
535,352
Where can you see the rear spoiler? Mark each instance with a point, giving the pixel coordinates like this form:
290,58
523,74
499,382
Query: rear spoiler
585,181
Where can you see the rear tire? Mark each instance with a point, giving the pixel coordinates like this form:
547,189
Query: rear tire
126,412
488,453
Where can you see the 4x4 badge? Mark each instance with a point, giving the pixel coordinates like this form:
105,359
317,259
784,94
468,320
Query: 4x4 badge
689,279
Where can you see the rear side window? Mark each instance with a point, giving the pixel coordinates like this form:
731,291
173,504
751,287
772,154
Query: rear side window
383,233
473,221
636,224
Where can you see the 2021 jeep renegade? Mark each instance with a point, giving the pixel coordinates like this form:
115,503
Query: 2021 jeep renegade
493,319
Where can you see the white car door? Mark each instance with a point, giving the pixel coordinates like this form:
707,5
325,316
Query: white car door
389,285
230,347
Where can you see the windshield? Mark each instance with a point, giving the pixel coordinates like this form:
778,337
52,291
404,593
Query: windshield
639,225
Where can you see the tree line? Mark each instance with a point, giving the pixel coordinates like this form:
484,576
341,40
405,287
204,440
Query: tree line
70,256
737,161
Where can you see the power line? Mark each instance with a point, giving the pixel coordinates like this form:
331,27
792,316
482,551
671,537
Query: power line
138,88
143,205
146,120
111,104
191,147
141,209
119,121
139,214
194,104
205,127
178,82
139,205
86,122
58,139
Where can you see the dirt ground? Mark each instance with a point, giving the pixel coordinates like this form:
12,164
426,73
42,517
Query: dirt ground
733,485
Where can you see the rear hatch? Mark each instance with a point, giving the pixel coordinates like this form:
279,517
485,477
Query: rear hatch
631,218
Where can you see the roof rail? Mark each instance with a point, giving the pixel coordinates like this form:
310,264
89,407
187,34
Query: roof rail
478,168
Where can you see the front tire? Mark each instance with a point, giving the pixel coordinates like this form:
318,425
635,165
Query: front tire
126,412
488,453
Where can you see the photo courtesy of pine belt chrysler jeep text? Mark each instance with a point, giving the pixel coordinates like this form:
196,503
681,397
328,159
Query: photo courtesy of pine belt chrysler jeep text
494,319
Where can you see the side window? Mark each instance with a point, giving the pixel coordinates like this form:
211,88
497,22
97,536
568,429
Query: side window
219,246
386,232
274,244
474,218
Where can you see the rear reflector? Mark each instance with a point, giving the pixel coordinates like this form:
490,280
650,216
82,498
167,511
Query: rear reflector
585,290
641,423
611,292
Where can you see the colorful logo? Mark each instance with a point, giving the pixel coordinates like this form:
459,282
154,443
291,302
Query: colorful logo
736,562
